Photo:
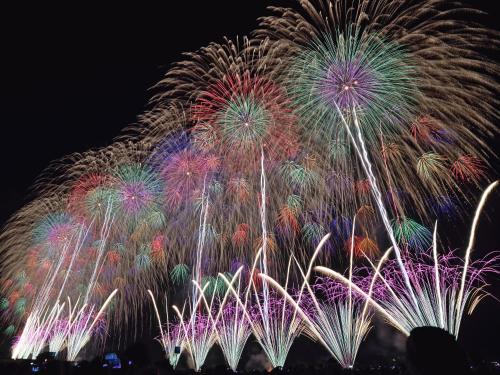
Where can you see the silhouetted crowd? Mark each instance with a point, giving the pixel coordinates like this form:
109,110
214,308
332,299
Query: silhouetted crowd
429,351
97,367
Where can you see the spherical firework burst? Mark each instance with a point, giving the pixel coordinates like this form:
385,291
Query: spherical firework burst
238,116
403,79
139,190
354,71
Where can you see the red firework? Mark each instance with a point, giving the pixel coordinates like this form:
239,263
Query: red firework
241,235
80,190
275,123
239,188
425,129
287,221
362,246
468,168
113,257
157,248
363,187
271,244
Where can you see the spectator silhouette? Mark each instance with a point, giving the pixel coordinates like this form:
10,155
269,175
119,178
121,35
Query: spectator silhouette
432,350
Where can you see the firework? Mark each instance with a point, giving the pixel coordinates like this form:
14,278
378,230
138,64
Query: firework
273,320
233,331
339,98
468,168
231,323
179,274
339,320
57,340
83,325
171,335
408,100
411,235
239,115
262,146
440,292
36,331
198,329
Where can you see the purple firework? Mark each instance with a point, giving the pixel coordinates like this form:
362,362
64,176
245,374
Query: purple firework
348,84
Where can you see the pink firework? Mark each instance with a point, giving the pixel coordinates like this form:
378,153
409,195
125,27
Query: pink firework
185,172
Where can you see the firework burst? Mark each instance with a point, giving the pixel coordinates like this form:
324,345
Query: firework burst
335,109
442,287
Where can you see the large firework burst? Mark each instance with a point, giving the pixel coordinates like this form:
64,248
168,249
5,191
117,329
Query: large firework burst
335,109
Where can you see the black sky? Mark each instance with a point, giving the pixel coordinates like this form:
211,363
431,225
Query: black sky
71,78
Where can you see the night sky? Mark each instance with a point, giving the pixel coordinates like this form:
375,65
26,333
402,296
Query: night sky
72,78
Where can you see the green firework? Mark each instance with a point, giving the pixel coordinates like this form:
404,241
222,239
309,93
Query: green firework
353,70
244,122
4,303
431,165
298,176
313,232
179,274
20,306
9,331
412,234
294,202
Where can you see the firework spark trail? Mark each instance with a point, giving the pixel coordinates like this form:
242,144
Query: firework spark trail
327,321
61,332
42,299
33,338
231,341
472,237
58,338
172,338
275,333
444,291
44,329
201,240
162,341
233,333
277,329
78,247
109,217
375,304
436,275
200,333
263,214
233,328
81,332
365,161
71,245
306,277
